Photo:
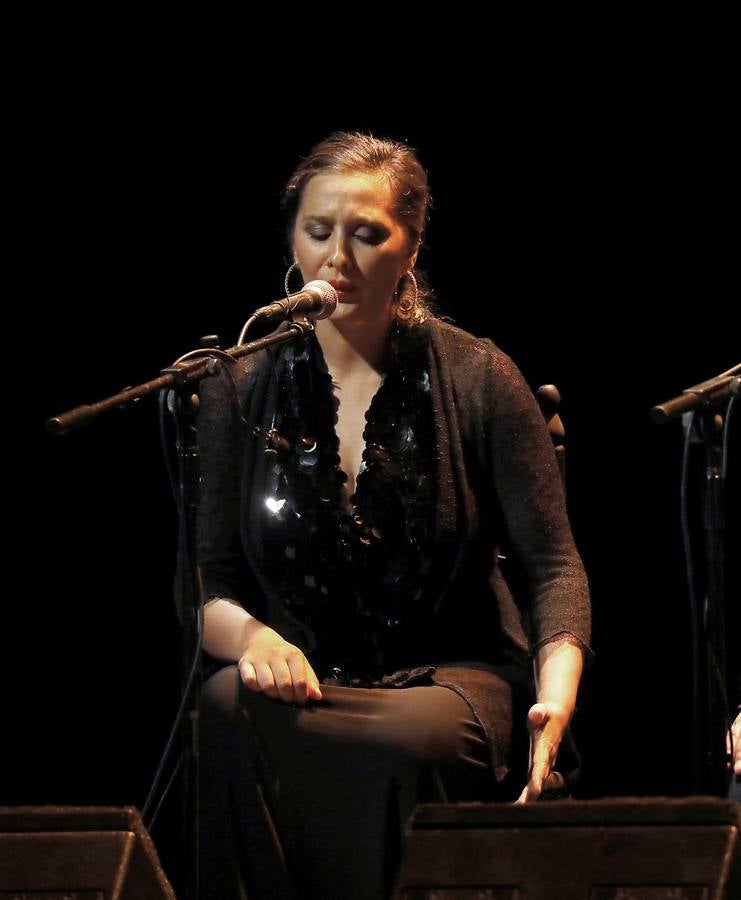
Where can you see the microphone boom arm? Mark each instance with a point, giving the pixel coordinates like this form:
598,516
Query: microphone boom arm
178,375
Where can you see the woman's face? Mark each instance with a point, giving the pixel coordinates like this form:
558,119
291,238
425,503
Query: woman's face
347,233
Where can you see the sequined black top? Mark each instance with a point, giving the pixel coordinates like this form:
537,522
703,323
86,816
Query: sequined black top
354,569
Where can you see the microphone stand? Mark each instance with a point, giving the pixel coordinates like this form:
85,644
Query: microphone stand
714,610
182,377
700,404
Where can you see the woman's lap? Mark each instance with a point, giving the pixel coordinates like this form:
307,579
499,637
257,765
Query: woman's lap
341,775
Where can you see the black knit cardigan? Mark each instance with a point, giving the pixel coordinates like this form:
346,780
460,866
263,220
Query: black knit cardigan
498,487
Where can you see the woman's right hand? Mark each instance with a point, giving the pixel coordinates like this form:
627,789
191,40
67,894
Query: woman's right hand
272,666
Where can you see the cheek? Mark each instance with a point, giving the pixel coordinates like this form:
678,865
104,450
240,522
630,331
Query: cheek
303,251
385,266
394,267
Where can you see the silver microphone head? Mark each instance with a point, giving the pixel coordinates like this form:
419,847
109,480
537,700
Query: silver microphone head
328,295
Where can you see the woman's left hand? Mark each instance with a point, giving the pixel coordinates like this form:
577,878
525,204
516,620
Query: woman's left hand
546,723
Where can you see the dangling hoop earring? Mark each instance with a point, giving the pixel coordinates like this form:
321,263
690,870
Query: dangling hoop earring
406,308
294,265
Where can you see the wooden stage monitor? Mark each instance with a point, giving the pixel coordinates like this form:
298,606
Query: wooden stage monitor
613,849
78,853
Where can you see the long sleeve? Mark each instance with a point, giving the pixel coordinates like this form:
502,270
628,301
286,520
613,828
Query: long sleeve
527,483
224,569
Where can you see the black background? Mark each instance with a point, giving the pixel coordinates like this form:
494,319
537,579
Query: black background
583,174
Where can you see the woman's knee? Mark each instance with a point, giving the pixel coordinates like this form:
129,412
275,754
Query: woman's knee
434,725
227,706
220,696
227,738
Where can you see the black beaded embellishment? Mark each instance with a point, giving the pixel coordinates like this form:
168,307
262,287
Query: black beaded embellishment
354,569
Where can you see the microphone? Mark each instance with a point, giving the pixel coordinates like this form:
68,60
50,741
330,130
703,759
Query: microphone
317,297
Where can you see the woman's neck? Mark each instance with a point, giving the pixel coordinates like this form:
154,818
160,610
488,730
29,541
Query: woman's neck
352,348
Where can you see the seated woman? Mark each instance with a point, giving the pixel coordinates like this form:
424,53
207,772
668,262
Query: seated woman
353,503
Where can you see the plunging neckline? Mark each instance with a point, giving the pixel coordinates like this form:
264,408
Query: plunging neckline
348,496
307,423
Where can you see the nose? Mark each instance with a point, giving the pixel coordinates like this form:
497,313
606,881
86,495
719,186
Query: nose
338,255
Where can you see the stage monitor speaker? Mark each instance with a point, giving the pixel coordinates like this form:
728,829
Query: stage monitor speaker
613,849
78,853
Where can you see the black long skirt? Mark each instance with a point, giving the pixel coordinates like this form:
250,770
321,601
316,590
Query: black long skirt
311,801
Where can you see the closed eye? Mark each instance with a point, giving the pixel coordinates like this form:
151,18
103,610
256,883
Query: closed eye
371,238
375,237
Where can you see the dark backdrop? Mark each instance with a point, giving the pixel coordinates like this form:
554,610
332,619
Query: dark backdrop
582,173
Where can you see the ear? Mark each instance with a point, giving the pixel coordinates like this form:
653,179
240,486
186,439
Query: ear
413,255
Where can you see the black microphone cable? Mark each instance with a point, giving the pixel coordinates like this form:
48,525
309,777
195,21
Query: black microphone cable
173,468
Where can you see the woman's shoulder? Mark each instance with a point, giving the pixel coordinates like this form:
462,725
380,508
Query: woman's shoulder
233,382
469,357
243,370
